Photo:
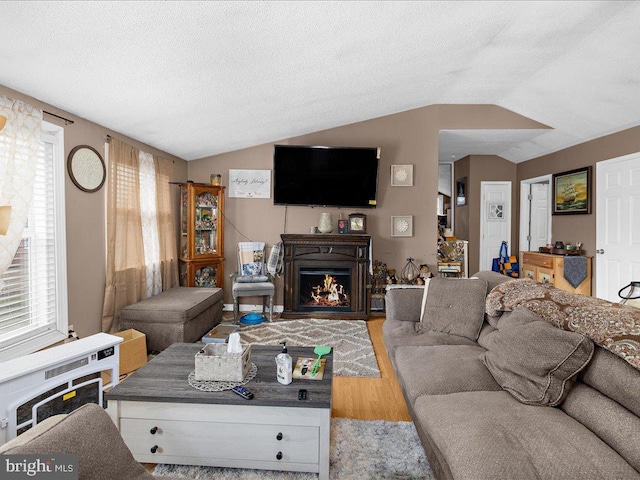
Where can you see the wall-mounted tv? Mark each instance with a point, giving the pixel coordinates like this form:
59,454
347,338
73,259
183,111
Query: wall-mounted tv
325,176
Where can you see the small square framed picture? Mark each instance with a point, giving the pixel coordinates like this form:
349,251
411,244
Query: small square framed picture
402,175
402,226
343,226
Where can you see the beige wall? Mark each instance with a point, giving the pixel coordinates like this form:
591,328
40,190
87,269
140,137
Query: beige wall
405,138
85,217
461,169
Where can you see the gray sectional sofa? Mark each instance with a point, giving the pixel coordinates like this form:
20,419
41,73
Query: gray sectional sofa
502,386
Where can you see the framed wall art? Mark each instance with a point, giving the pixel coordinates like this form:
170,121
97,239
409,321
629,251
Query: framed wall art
402,175
461,191
402,226
572,192
249,183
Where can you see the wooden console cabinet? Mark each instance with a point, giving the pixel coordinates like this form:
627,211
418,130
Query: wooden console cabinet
549,268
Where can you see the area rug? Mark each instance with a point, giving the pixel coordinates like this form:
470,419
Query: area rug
363,450
353,354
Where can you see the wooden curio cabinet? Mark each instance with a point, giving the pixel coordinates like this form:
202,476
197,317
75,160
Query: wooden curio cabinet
201,235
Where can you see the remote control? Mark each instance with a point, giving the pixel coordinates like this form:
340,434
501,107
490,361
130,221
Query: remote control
302,394
243,392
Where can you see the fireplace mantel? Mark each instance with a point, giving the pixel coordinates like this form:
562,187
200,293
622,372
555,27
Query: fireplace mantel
319,250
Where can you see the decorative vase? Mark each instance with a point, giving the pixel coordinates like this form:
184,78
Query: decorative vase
325,223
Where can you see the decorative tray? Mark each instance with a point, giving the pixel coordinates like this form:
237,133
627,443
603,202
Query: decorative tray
560,251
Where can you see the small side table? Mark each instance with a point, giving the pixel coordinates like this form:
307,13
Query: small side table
450,269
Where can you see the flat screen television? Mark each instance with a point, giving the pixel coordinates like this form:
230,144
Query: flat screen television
325,176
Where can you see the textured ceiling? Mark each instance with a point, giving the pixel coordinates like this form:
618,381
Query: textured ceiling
201,78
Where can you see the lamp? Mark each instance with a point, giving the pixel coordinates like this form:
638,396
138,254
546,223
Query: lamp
5,216
3,121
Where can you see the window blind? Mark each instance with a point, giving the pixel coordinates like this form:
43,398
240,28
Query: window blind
29,301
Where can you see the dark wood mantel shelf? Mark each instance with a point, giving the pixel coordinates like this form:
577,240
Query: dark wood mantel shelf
316,250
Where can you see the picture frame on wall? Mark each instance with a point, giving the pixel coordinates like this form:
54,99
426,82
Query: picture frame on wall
402,226
461,191
402,175
572,192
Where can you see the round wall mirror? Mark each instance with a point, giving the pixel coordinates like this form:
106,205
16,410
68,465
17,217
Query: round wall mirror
86,168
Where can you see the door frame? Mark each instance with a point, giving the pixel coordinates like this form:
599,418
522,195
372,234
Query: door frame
525,211
483,216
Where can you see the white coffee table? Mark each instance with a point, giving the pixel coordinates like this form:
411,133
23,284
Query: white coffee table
164,420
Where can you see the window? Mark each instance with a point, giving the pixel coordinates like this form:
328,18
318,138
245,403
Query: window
33,302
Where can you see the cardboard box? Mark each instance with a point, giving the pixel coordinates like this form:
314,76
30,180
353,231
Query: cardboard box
133,351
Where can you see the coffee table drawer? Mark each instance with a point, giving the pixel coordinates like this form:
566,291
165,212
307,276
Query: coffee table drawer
228,441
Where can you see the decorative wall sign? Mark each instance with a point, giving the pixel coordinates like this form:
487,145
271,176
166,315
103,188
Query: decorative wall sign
402,226
461,191
572,192
495,212
402,175
250,183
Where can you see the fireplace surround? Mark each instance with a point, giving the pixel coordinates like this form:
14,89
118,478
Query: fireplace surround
325,276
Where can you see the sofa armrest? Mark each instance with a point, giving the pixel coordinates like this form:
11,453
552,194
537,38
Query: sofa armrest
89,433
404,304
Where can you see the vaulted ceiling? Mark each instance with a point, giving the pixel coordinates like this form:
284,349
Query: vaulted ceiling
200,78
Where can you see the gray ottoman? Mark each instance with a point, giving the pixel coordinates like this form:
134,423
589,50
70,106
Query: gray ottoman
181,314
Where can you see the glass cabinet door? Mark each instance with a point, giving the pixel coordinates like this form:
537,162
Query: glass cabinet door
205,223
184,220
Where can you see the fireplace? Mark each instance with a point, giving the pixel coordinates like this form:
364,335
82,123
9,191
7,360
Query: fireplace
327,289
326,276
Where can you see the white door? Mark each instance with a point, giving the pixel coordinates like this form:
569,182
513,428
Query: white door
535,213
495,220
617,225
539,222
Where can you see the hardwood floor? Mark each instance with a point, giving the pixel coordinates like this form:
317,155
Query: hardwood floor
365,398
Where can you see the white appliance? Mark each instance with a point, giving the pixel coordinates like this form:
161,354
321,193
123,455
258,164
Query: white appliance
56,380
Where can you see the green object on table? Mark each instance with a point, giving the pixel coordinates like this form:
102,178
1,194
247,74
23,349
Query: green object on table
320,351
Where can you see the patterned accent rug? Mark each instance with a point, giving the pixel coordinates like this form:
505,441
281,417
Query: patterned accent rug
353,352
362,450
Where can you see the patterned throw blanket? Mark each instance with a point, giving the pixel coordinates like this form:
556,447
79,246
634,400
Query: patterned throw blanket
612,326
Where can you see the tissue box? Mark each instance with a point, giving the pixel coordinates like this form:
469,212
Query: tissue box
214,363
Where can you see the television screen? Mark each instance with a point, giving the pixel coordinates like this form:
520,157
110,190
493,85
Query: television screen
325,176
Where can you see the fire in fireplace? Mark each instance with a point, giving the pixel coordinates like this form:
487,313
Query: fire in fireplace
326,289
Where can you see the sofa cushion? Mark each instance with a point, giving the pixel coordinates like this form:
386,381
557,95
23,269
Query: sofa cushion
535,361
401,334
578,313
455,306
489,435
442,369
178,304
609,420
89,433
615,378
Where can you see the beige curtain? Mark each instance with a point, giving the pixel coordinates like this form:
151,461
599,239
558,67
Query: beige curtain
166,228
126,273
126,281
